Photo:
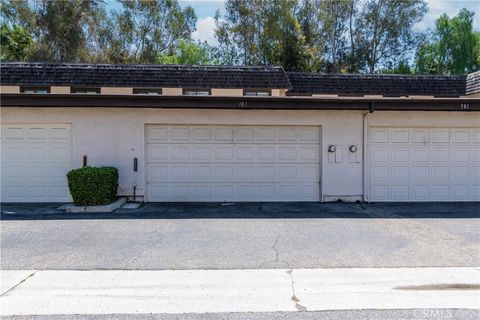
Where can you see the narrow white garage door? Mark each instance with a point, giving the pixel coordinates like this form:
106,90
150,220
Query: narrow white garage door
35,160
424,164
233,163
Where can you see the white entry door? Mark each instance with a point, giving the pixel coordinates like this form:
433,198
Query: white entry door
35,161
233,163
424,164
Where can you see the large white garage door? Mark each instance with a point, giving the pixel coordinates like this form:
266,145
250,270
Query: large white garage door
35,160
424,164
233,163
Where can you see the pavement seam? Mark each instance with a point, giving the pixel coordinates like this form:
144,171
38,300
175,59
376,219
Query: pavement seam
294,298
22,281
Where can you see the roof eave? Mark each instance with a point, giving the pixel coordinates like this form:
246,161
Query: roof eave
241,103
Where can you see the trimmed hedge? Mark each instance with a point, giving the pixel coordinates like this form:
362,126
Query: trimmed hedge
93,185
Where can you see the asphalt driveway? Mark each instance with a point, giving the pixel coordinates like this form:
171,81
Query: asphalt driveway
253,235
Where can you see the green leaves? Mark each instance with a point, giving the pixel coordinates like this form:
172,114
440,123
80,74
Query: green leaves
454,48
188,53
93,185
16,43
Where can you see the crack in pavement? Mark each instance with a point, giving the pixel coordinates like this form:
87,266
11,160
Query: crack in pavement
294,298
22,281
276,253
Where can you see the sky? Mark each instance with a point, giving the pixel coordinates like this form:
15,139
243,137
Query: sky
206,11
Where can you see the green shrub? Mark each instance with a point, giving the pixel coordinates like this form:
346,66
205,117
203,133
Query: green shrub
93,185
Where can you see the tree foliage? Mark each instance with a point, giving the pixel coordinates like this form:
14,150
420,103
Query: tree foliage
82,30
341,36
454,48
16,43
332,36
188,53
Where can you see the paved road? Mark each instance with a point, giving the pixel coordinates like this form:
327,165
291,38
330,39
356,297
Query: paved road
212,236
425,314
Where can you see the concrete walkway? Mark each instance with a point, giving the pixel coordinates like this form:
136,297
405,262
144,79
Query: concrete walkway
33,292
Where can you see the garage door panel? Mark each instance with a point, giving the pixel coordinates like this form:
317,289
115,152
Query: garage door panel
475,134
378,173
475,192
439,173
460,154
420,136
400,173
380,135
475,154
420,173
379,154
423,164
419,154
157,152
399,192
420,192
400,135
223,153
460,192
35,161
440,154
59,133
233,163
459,174
440,136
37,133
380,192
475,174
460,136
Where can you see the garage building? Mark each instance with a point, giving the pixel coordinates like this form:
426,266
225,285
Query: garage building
219,133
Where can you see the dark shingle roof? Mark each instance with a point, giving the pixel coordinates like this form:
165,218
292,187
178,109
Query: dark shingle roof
377,84
473,83
207,77
107,75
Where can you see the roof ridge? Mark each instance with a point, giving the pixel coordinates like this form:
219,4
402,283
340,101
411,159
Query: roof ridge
373,75
133,65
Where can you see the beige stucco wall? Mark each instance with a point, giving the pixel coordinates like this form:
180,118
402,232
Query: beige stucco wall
227,92
116,90
59,90
278,92
9,89
172,91
115,136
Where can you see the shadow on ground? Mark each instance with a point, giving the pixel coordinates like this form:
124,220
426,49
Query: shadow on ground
252,210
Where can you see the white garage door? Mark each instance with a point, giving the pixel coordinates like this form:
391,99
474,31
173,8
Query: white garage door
233,163
424,164
35,160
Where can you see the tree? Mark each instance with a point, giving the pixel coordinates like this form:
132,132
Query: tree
64,24
261,32
188,53
15,43
385,29
454,48
316,35
334,17
144,29
58,28
83,31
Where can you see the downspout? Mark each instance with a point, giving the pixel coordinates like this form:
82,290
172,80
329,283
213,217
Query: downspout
365,148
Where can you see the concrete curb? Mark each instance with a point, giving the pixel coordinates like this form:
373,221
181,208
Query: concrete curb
94,209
